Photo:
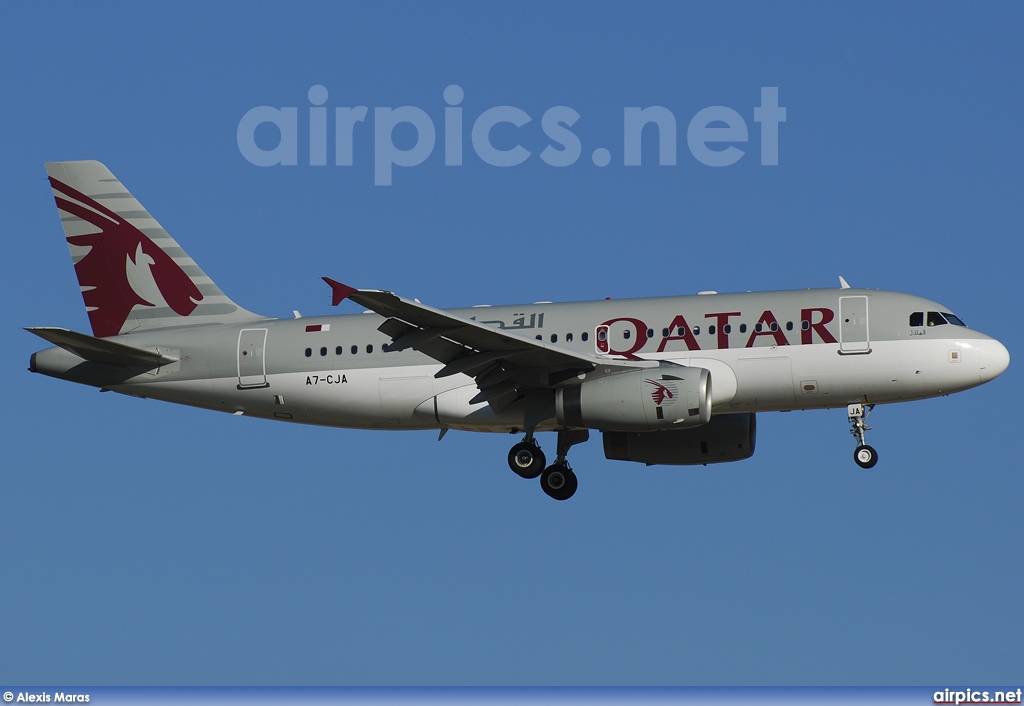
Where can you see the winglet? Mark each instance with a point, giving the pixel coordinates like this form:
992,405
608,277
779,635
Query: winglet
339,291
842,283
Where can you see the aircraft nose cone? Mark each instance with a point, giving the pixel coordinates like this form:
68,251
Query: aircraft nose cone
994,359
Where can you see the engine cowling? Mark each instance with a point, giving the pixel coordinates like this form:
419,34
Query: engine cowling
728,437
667,397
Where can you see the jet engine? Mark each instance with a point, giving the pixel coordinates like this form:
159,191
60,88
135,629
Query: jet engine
728,437
667,397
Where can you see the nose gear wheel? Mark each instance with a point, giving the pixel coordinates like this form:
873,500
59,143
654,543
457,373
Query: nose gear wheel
865,456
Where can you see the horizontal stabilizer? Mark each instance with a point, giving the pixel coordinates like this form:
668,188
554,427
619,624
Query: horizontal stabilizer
101,350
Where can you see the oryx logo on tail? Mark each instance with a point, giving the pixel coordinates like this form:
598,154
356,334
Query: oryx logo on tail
122,267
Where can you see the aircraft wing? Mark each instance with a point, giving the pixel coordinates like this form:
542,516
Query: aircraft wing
500,360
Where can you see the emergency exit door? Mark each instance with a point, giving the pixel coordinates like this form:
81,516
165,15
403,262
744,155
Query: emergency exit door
853,325
252,363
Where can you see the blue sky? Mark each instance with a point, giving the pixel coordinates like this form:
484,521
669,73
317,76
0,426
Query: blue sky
143,543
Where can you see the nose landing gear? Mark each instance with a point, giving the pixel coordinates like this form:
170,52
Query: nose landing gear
864,455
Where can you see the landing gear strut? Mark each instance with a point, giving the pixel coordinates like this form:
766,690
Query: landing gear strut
557,480
864,455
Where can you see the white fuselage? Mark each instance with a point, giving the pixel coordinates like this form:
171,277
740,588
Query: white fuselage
808,354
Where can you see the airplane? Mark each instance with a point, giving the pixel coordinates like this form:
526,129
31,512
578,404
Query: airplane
669,380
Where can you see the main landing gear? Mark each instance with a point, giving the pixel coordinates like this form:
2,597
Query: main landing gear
557,480
526,459
864,455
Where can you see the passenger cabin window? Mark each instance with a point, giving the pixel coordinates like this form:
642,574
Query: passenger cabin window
568,338
337,351
309,352
917,318
696,330
584,335
935,319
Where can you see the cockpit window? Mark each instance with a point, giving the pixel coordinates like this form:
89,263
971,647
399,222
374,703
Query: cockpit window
935,319
917,318
953,319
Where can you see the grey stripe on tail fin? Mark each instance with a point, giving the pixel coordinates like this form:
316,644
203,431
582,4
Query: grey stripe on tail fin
132,273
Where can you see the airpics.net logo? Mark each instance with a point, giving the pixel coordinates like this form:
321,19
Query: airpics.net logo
716,136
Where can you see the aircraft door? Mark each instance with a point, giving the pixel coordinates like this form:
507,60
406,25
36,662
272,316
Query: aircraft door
252,364
853,325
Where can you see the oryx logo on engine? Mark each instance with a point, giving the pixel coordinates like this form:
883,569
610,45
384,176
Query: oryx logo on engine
662,392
